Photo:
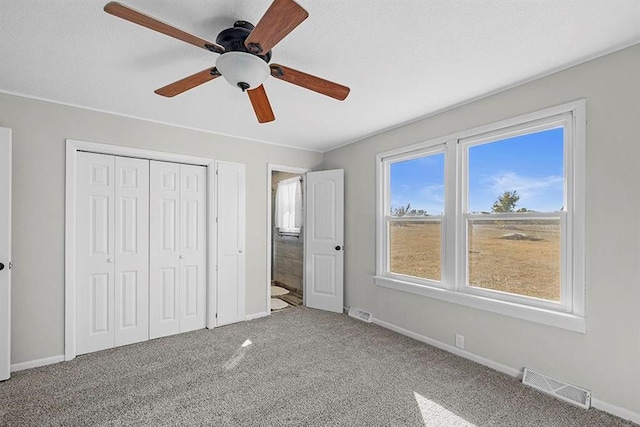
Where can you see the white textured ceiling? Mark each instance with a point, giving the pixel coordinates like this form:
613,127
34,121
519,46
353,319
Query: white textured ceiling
402,59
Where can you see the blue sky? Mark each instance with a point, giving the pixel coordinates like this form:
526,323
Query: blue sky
530,164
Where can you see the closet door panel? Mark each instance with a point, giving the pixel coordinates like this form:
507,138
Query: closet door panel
95,253
231,240
193,255
132,250
164,249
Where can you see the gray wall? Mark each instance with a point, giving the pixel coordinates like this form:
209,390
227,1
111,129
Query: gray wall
39,133
607,358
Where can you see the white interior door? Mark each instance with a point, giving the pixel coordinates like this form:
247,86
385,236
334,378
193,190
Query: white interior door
164,247
193,253
5,253
324,249
131,302
231,240
95,253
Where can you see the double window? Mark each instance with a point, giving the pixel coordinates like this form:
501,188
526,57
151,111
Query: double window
492,218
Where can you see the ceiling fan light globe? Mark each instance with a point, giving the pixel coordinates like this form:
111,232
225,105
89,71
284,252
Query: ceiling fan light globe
242,67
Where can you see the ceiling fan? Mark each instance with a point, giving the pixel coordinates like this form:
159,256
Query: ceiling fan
245,52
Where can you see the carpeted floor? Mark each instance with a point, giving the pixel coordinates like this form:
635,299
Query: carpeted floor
295,367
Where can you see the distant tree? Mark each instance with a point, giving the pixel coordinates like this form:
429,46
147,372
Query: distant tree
400,210
506,202
407,211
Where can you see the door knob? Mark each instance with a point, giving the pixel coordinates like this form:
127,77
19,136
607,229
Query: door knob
338,248
109,260
1,266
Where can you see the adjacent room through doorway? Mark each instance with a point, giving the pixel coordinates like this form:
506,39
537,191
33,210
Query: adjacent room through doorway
287,240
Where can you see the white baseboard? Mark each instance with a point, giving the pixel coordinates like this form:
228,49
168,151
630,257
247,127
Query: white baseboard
256,315
37,363
451,349
616,410
596,403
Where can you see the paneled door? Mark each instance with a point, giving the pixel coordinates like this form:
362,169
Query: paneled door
193,253
164,263
324,258
131,301
231,242
95,252
5,253
112,251
177,248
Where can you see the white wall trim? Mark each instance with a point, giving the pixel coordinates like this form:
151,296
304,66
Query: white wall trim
596,403
451,349
616,410
37,363
72,148
271,167
256,315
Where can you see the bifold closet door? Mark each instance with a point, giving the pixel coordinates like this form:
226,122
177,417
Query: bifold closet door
177,248
131,279
112,251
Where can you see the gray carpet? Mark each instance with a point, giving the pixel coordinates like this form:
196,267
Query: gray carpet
303,367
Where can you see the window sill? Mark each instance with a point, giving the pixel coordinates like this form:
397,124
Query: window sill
534,314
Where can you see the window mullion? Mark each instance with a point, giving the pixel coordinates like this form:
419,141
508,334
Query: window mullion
449,225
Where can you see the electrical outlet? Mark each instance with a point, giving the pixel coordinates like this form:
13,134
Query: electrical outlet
459,341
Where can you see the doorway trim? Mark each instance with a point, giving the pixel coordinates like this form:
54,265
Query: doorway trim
271,167
72,149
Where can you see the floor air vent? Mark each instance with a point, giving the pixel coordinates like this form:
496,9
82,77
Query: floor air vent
561,390
365,316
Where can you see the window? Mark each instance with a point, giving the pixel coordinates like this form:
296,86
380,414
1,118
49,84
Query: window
415,215
492,218
288,214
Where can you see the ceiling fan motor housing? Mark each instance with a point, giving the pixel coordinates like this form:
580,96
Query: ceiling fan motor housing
232,39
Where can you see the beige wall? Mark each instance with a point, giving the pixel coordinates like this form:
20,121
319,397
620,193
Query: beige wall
39,133
607,358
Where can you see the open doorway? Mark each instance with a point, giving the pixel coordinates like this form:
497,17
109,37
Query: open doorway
285,287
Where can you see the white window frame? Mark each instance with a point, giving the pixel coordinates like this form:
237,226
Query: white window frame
569,313
387,218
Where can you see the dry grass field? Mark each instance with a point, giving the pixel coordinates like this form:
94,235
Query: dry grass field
520,257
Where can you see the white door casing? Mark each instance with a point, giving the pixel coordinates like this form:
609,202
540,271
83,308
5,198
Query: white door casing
324,246
95,252
131,287
164,247
231,242
193,254
5,253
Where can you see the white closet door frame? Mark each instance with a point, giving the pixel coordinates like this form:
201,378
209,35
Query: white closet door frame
72,148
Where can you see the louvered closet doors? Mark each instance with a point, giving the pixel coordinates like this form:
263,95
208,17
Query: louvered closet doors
178,248
112,251
141,250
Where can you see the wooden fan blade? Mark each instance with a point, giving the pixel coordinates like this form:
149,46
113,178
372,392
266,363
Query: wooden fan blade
261,105
278,21
307,81
183,85
125,12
